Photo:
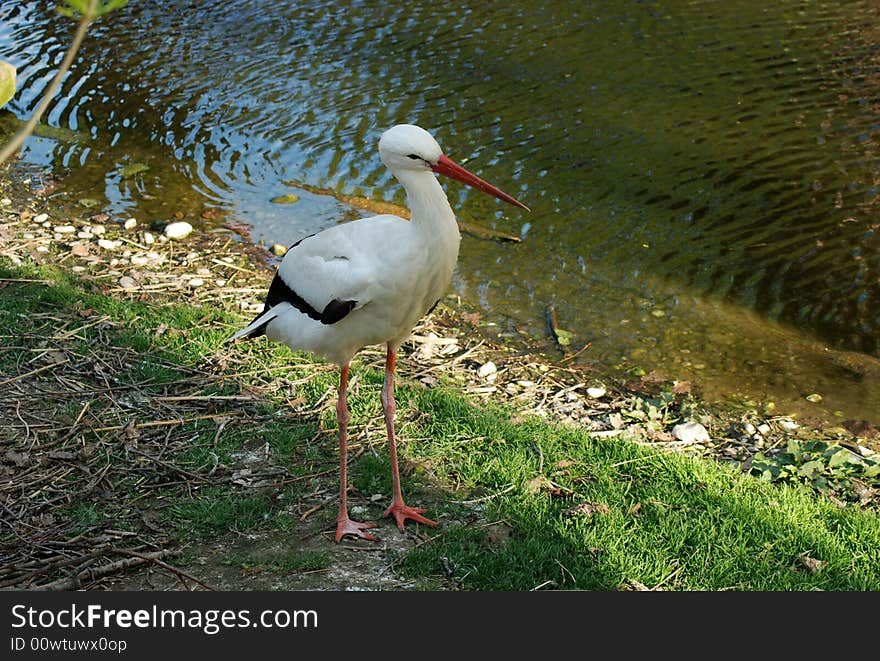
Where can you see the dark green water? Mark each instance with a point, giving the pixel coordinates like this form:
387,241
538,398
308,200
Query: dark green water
703,175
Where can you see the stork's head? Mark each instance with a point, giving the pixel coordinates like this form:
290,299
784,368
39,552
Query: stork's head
407,147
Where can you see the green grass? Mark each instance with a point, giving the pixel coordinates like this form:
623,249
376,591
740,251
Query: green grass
576,512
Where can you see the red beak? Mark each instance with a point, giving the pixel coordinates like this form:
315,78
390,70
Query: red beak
452,169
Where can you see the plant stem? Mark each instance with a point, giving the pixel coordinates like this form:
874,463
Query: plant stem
18,139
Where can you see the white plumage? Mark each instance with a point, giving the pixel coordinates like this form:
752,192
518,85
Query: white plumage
368,282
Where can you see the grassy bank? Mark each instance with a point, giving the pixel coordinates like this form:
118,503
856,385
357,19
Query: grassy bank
521,504
140,450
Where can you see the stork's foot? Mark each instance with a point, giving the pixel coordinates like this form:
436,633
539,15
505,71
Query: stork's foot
346,526
402,512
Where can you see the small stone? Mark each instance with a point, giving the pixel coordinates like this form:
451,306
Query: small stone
278,249
106,244
596,392
5,202
127,282
78,269
195,282
79,249
202,271
41,218
149,239
178,230
28,235
788,424
814,398
139,260
98,230
65,229
84,235
487,370
130,224
691,432
749,429
764,429
42,249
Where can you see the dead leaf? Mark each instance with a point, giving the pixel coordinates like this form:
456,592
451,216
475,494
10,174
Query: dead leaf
566,463
616,420
542,483
588,509
62,455
473,318
79,249
17,458
635,509
811,564
130,431
682,387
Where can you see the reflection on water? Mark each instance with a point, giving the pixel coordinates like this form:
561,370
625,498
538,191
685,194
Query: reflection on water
703,176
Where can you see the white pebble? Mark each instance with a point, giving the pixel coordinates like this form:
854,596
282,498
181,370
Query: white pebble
178,230
78,269
750,429
65,229
764,428
106,244
98,229
196,282
597,392
788,424
5,202
203,271
41,218
131,223
149,239
127,282
139,260
42,249
487,370
691,432
84,235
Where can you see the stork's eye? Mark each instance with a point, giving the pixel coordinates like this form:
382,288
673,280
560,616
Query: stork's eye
414,157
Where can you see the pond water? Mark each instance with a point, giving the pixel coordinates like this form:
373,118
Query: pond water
703,176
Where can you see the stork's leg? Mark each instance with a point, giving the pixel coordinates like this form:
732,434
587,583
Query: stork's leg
398,508
344,525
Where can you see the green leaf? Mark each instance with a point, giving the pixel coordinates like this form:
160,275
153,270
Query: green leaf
843,457
290,198
111,5
564,337
811,468
132,169
7,82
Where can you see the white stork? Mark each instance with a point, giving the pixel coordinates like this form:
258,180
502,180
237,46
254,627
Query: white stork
368,282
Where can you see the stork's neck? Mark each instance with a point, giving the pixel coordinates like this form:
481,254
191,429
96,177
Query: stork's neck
427,201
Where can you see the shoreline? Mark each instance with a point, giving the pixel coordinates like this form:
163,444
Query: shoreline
131,419
128,259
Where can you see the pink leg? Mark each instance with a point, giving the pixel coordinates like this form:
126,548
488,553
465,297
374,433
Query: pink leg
344,525
398,508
